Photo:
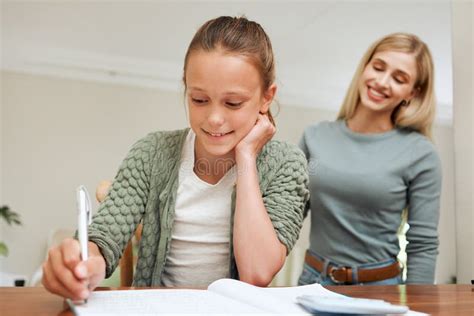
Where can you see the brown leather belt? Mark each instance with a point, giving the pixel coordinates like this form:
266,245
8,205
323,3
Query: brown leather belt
343,274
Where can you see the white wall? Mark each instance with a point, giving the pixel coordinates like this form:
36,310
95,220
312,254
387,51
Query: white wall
1,141
463,14
1,161
61,133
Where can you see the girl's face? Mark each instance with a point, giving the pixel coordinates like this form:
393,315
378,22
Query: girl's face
224,94
387,80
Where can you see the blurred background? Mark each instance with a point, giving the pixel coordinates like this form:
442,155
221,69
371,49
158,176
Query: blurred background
81,81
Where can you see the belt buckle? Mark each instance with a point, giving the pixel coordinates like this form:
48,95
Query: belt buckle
331,273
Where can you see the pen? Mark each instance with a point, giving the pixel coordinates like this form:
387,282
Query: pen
84,216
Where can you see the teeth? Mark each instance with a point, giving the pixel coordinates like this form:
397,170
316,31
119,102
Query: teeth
217,134
376,93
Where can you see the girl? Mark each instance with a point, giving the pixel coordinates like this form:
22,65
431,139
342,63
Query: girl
372,163
217,200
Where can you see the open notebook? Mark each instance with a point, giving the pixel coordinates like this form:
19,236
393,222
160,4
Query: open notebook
223,296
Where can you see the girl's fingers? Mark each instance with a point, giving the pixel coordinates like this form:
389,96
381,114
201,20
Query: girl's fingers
267,126
95,267
66,277
71,253
52,283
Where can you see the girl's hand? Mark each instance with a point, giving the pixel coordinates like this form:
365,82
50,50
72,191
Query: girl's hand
251,145
65,274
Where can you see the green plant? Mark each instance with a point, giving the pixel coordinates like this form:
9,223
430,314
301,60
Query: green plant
12,218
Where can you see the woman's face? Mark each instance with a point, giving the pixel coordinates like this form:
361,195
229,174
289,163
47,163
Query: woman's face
387,80
224,94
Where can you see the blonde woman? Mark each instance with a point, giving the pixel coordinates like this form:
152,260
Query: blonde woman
373,162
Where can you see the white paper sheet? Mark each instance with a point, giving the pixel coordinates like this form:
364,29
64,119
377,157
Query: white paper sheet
224,297
161,302
290,293
256,296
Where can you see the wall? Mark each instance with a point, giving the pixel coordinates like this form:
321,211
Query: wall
463,14
61,133
1,162
1,141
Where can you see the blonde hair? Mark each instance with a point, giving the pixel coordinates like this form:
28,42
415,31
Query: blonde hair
237,35
420,112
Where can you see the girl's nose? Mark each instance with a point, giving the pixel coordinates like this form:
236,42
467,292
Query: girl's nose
216,116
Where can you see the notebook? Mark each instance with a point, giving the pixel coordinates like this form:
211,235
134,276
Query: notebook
224,296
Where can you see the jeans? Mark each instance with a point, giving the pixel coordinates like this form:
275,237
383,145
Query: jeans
310,275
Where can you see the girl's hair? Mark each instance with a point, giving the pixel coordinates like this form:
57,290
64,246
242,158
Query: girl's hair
420,111
236,35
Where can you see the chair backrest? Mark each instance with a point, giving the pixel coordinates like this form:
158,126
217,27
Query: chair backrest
127,260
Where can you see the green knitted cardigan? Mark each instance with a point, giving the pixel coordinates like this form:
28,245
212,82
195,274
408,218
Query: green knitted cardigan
145,189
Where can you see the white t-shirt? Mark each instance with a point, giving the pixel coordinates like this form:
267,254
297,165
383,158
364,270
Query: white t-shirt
199,250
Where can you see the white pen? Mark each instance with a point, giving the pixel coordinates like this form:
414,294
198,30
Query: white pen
84,216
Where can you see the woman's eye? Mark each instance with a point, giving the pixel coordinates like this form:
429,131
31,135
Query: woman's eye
377,68
399,80
199,101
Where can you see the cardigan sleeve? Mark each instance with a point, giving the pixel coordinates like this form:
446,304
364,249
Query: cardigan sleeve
423,214
120,213
286,195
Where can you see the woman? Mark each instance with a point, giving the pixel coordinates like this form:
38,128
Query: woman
372,163
217,200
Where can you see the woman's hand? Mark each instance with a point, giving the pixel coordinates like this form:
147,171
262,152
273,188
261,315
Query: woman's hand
251,145
65,274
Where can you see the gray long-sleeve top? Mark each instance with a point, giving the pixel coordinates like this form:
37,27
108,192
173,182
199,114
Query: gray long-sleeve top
361,183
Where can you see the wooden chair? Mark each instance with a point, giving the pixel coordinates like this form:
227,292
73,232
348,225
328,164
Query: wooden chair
127,260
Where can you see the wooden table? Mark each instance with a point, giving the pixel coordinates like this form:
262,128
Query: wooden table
432,299
446,299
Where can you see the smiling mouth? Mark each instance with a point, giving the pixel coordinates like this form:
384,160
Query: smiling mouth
376,94
216,134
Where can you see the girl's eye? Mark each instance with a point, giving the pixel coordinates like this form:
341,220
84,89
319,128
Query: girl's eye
234,104
199,101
